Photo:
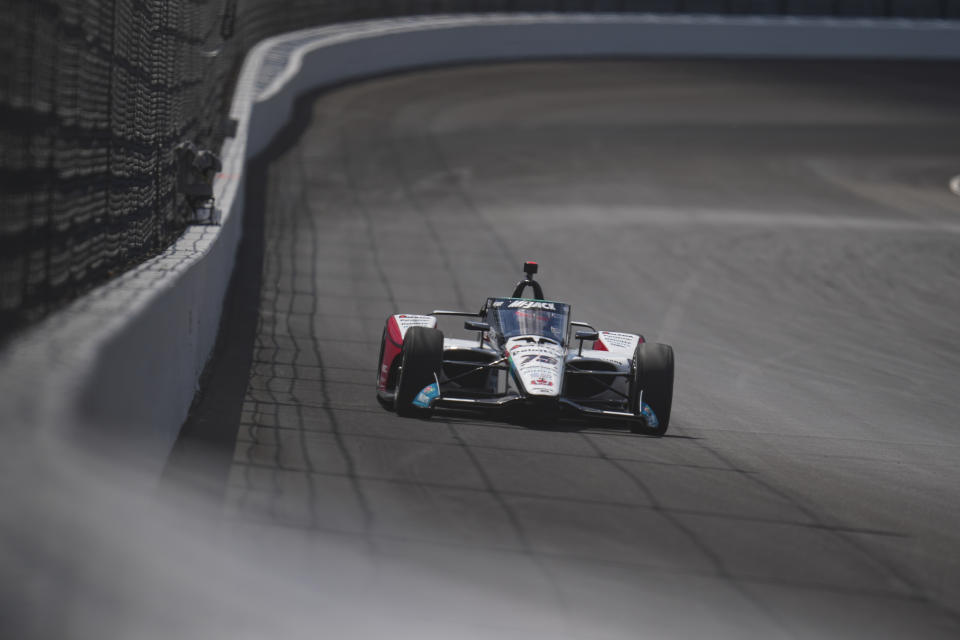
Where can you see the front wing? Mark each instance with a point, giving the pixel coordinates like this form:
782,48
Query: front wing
432,398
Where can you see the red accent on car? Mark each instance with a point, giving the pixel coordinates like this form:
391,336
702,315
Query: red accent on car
393,331
599,346
392,349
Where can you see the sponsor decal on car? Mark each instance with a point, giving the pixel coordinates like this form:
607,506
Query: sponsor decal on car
405,320
538,358
426,396
531,304
621,340
651,417
616,341
538,365
539,372
524,348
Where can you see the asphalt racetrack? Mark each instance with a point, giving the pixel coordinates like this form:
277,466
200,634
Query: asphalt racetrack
787,227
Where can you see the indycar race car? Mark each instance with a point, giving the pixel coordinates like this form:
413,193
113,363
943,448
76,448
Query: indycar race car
523,359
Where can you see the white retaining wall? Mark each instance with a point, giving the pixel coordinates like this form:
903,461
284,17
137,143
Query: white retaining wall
126,358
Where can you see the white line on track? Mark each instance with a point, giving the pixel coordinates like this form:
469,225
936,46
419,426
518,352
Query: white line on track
955,185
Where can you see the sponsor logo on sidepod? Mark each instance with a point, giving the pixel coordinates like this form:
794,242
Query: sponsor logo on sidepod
618,340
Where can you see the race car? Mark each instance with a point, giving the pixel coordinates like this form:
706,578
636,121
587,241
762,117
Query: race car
524,361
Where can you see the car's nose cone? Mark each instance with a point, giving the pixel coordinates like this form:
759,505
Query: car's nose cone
538,366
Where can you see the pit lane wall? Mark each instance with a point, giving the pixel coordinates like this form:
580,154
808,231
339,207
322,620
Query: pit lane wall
124,361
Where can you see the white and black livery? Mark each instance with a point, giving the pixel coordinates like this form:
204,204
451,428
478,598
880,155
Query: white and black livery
524,358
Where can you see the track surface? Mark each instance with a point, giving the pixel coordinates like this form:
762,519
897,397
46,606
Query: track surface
786,226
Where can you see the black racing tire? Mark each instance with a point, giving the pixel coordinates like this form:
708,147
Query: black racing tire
383,347
653,376
421,360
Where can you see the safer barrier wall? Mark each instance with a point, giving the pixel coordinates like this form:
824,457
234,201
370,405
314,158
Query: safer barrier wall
123,362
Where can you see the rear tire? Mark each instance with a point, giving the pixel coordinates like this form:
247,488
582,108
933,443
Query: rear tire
653,376
383,346
421,360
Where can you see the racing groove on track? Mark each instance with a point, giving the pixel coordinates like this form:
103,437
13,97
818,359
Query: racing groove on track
786,226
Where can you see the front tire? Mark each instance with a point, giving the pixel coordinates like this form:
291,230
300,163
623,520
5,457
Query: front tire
653,380
421,361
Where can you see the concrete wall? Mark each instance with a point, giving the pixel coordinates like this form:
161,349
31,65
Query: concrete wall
124,361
